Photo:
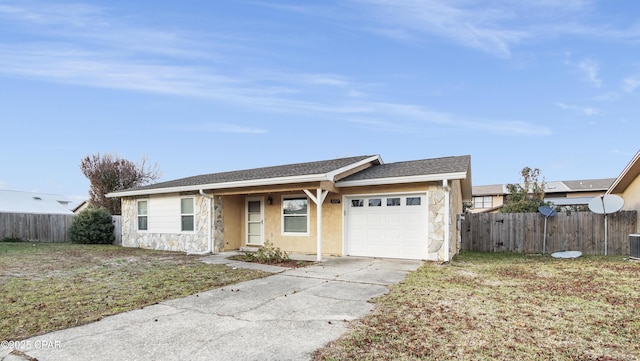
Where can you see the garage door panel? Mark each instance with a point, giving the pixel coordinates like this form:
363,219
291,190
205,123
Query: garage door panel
386,226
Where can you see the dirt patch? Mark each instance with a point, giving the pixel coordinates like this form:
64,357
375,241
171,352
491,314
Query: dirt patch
286,263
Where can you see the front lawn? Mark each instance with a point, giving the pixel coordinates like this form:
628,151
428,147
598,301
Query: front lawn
503,307
50,286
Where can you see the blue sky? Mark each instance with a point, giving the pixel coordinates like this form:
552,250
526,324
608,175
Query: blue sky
200,86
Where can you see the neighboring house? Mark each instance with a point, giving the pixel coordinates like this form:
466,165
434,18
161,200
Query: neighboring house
627,186
29,202
81,207
575,193
487,199
356,206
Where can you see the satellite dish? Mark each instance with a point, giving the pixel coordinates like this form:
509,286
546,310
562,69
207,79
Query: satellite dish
566,254
547,211
606,204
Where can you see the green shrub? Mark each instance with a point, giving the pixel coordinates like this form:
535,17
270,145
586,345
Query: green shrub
267,254
92,226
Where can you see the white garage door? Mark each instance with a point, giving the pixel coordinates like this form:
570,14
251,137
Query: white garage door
390,226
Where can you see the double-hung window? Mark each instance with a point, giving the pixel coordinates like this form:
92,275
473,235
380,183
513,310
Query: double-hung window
483,202
143,215
187,214
295,215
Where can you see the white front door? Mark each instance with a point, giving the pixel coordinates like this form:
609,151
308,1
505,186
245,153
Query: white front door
255,221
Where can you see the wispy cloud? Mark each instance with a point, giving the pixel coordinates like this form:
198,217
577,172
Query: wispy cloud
108,53
221,127
479,27
607,97
588,111
590,71
631,83
513,128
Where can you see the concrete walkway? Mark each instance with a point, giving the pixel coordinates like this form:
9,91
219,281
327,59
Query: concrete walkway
285,316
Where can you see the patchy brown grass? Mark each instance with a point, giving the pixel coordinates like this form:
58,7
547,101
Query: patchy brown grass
503,307
50,286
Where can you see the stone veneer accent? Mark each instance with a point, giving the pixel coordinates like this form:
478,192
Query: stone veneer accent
190,242
218,230
437,219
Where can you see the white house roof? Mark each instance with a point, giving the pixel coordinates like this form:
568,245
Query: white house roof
30,202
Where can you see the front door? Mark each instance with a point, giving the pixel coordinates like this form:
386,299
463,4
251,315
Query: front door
255,221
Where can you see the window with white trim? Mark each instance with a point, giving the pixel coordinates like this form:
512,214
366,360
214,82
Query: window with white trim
295,215
483,202
143,215
187,215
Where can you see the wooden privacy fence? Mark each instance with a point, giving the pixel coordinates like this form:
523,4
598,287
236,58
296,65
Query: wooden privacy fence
524,232
35,227
44,227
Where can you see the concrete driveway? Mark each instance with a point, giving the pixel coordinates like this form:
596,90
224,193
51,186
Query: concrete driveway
285,316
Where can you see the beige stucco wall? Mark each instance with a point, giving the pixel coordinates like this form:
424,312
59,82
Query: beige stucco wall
233,218
331,221
631,198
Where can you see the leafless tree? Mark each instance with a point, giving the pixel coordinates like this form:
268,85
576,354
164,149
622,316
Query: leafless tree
109,173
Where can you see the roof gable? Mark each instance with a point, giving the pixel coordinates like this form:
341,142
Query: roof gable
423,167
628,175
424,170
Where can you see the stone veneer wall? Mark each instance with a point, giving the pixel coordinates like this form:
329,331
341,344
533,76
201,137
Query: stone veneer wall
191,242
437,219
218,224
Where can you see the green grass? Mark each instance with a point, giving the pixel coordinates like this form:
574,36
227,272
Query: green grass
51,286
503,307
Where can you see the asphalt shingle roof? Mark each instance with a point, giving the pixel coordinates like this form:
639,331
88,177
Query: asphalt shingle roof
287,170
414,168
590,184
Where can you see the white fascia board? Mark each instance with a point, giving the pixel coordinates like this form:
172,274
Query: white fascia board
624,173
226,185
398,180
332,175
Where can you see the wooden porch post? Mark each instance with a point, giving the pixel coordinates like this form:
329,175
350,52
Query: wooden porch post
318,199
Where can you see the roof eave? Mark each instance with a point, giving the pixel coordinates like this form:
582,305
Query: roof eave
329,176
225,185
405,179
620,184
